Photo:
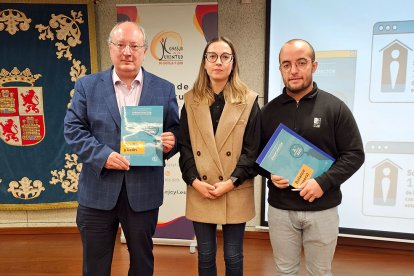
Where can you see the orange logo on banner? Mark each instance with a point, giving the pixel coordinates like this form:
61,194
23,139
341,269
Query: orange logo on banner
167,48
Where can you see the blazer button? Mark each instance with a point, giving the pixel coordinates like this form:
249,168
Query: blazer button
204,177
198,153
220,178
228,153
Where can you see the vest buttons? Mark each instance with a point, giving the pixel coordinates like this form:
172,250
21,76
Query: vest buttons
228,153
204,177
198,153
220,178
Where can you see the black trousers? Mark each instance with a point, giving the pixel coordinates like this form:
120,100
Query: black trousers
98,229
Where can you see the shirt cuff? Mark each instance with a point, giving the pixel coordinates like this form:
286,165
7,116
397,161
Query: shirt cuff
191,180
236,181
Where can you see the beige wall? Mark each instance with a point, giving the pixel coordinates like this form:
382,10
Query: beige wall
244,24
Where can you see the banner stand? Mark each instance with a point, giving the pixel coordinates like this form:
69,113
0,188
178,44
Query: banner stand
174,45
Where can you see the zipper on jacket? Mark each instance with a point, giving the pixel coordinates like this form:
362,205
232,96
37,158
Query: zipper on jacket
296,117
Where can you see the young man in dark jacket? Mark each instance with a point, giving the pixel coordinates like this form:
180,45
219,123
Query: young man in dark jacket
308,218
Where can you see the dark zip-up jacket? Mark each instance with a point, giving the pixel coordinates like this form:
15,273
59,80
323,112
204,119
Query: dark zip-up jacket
327,122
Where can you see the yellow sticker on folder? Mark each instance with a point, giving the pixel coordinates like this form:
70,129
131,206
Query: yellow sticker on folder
305,172
132,147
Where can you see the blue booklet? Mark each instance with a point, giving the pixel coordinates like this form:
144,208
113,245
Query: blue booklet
141,128
290,155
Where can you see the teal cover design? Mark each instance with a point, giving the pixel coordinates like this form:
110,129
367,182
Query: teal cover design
141,128
290,155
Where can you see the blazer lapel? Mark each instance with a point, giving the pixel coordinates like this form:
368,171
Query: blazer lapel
228,120
108,91
203,120
147,96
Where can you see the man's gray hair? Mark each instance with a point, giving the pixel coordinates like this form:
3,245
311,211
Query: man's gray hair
119,23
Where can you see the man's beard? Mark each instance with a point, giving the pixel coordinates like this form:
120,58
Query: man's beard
299,89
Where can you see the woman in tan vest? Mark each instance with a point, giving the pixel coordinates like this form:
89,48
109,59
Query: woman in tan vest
220,128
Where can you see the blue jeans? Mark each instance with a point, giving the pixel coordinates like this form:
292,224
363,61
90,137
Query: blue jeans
206,235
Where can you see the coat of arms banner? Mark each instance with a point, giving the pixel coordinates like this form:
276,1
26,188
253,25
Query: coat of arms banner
44,48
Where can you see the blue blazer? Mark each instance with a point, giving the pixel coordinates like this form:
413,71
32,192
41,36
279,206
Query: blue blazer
92,129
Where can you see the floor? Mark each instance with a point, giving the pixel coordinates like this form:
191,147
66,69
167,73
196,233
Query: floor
61,254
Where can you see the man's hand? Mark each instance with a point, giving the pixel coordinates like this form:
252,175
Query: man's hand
204,188
222,187
311,190
168,141
116,161
279,181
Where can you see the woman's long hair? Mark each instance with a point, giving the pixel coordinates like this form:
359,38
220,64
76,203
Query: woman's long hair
234,91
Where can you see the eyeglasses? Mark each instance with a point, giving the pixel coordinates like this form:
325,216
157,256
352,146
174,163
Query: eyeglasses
300,64
224,57
133,47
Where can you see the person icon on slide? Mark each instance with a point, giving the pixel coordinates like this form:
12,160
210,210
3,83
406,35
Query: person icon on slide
394,67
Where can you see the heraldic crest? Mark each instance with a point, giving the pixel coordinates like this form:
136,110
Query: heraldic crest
22,120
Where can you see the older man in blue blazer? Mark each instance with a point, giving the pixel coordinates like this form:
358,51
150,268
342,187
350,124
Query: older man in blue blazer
110,190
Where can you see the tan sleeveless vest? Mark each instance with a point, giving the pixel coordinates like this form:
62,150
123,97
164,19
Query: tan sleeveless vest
216,157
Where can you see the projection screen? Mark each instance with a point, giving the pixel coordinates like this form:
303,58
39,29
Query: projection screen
365,51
